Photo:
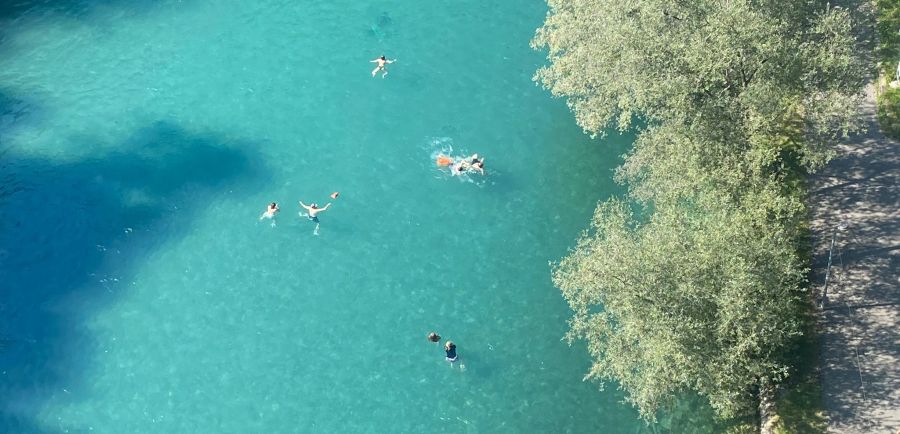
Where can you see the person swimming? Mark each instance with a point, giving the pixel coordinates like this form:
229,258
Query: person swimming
270,211
434,337
312,214
450,349
313,210
459,168
382,65
476,164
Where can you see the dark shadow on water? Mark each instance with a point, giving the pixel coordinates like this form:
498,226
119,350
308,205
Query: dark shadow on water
17,110
77,9
71,235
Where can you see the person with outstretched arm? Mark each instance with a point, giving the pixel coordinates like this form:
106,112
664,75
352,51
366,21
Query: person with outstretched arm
382,63
312,212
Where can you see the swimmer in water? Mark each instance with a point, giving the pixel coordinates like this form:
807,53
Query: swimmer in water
382,65
476,164
313,210
270,211
434,337
450,349
459,168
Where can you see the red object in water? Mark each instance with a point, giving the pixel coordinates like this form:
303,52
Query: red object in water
335,195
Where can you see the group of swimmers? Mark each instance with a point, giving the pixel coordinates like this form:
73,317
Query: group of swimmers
457,167
312,212
449,347
472,163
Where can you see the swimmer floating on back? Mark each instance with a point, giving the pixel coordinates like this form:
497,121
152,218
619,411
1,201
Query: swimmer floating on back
382,65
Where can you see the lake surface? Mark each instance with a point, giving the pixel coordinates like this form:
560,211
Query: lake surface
140,143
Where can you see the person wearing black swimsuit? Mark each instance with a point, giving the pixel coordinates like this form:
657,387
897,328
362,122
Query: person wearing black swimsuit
450,349
476,164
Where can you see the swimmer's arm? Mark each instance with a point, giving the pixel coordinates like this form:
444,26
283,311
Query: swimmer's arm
303,205
326,206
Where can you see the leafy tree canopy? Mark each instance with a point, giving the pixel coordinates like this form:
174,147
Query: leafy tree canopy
734,71
693,298
736,100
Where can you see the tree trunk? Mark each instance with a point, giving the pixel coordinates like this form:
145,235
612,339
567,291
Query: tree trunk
768,418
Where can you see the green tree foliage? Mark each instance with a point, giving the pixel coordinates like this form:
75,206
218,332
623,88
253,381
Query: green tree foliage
734,71
693,298
888,50
888,28
889,112
694,283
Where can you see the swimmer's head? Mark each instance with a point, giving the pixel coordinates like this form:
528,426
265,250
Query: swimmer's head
273,205
434,337
449,345
314,205
383,58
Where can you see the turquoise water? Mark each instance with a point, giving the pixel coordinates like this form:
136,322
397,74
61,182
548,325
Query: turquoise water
140,142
